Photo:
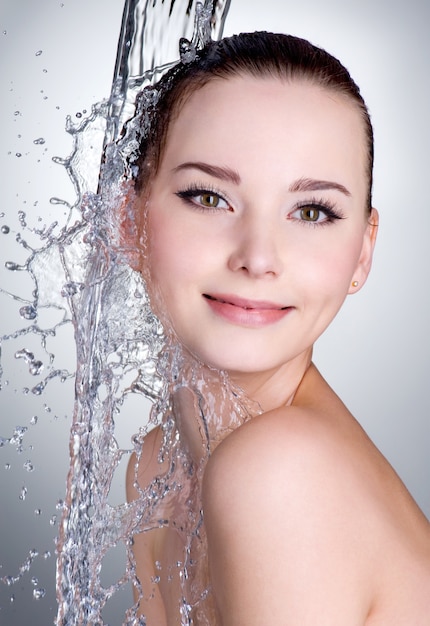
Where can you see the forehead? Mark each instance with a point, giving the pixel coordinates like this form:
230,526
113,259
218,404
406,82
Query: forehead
272,125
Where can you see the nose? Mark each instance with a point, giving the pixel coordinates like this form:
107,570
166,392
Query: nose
256,249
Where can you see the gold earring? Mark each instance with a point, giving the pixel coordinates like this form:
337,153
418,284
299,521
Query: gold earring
354,283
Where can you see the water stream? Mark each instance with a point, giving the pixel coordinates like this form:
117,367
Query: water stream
75,276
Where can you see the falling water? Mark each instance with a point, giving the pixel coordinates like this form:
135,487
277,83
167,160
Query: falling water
80,276
119,339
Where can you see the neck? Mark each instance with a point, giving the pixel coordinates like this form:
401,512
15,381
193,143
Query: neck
207,406
275,388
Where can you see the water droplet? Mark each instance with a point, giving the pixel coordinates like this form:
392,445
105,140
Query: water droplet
47,554
28,465
38,53
13,267
60,504
38,511
5,230
24,354
54,200
18,435
78,114
45,71
39,593
23,493
18,154
53,520
37,389
34,420
17,113
28,312
35,368
12,598
34,581
39,142
21,217
7,466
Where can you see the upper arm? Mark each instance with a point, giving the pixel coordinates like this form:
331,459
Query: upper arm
284,529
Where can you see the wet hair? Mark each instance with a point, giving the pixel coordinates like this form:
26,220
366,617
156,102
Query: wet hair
258,54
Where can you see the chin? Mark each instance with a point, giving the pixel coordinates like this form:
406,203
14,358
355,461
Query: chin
240,364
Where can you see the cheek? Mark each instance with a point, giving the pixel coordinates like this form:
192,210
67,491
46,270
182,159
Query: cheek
163,243
174,253
328,270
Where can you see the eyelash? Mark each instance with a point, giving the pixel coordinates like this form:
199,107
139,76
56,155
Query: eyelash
190,193
324,206
328,208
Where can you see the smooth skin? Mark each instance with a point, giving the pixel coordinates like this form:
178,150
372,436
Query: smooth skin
258,230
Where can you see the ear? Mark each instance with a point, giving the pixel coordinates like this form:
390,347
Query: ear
130,225
365,259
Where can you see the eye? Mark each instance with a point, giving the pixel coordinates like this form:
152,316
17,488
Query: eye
315,213
204,199
210,200
311,214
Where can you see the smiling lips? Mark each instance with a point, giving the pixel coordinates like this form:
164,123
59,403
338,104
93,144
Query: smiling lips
251,313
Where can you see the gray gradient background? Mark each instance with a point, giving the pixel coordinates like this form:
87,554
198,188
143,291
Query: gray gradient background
376,353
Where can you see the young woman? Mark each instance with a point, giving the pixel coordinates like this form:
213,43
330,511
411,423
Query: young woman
253,224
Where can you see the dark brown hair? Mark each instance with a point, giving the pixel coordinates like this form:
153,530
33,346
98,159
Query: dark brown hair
259,54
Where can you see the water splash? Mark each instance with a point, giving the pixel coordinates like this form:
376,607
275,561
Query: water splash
119,340
79,277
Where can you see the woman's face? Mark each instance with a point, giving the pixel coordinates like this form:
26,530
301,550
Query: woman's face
257,224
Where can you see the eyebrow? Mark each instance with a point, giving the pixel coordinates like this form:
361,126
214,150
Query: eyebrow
312,184
226,173
223,173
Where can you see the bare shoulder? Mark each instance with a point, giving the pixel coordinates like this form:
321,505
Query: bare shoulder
301,455
314,447
325,514
314,437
